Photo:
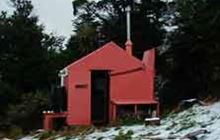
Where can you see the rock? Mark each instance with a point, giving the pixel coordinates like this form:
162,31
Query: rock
193,135
185,104
155,138
173,136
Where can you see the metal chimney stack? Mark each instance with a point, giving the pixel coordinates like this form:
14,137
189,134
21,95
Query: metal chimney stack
128,44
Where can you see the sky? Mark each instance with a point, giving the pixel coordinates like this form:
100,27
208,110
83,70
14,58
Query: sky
55,15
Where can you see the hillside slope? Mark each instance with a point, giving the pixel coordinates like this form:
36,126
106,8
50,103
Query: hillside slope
176,126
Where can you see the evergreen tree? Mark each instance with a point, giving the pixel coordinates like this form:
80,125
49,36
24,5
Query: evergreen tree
103,21
194,60
24,49
29,62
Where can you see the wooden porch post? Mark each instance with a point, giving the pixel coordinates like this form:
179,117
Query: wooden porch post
135,109
158,109
114,111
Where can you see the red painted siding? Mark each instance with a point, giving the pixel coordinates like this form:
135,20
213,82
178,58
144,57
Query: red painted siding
131,81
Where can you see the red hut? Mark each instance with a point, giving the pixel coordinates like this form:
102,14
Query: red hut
107,84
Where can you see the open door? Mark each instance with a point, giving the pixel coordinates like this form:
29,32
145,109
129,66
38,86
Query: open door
100,97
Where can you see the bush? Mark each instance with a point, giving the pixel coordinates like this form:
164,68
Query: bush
6,97
128,120
27,112
14,132
46,135
124,136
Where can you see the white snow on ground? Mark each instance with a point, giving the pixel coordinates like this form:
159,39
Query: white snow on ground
176,125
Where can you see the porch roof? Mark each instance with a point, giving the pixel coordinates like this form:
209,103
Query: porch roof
127,102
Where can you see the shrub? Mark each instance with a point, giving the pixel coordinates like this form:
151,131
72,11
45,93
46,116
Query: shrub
124,136
27,112
128,120
14,132
46,135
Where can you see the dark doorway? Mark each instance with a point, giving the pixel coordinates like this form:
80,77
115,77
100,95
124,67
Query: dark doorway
100,97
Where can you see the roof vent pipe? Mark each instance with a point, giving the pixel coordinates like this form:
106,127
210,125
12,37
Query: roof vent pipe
62,74
128,44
